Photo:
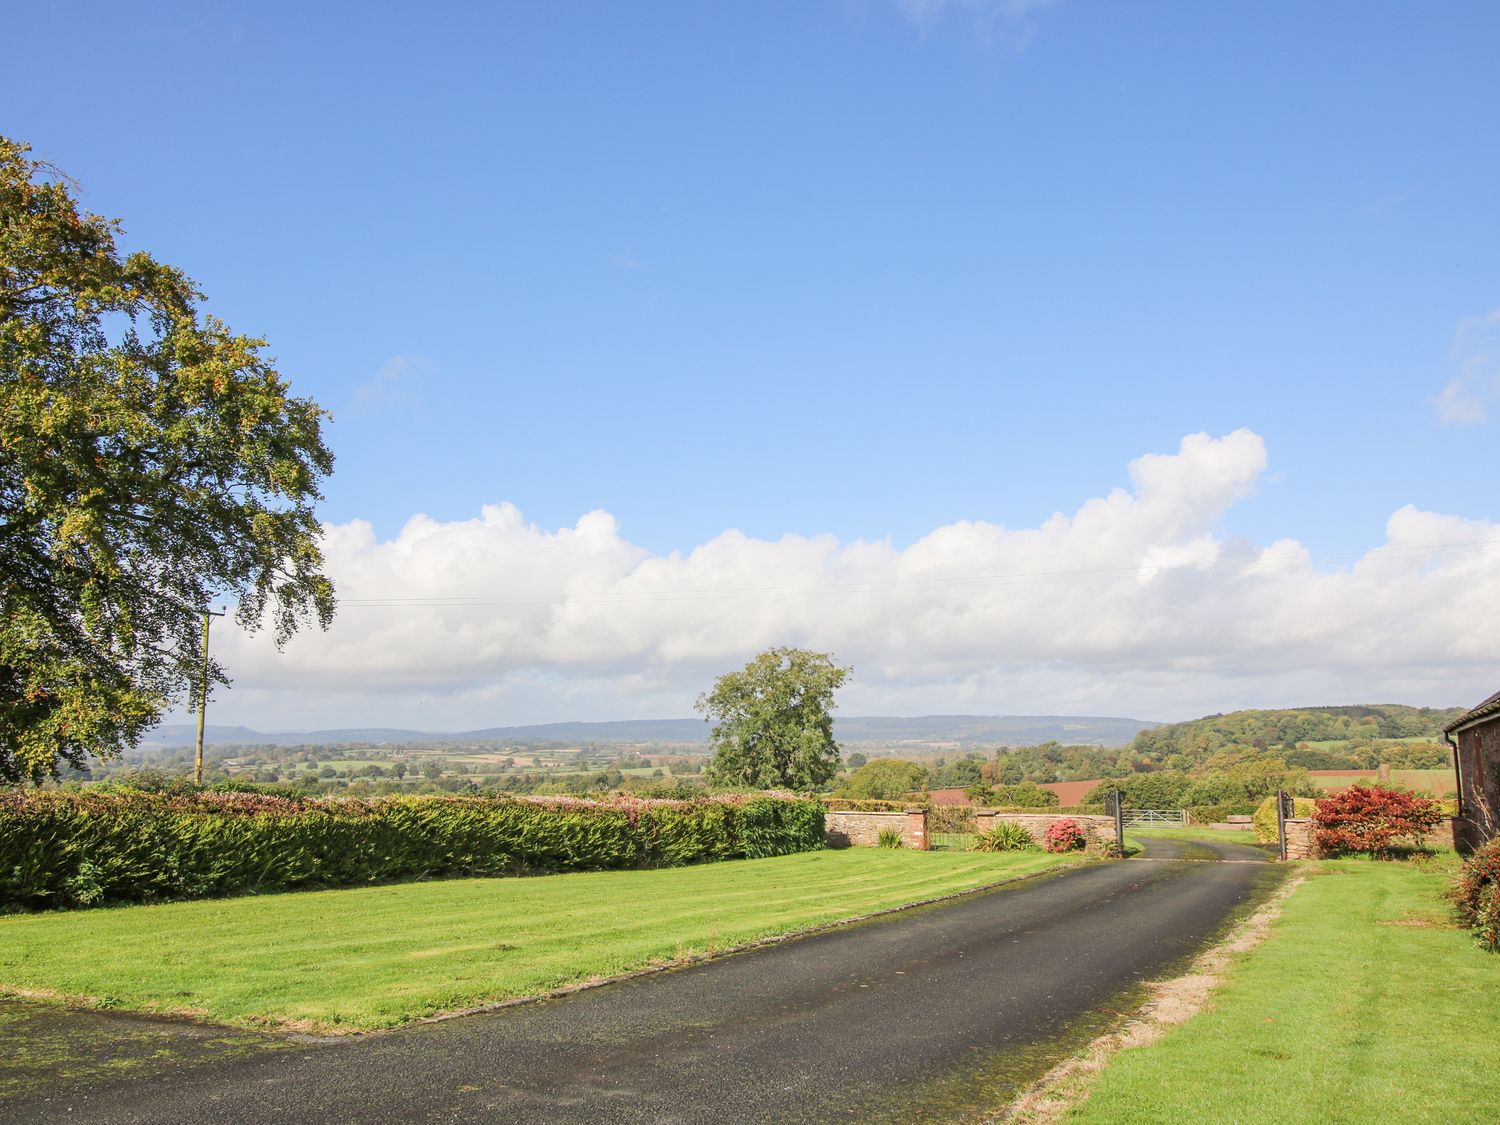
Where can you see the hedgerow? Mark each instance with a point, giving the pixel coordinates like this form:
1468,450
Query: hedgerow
78,848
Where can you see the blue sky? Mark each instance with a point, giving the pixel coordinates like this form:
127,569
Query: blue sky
851,269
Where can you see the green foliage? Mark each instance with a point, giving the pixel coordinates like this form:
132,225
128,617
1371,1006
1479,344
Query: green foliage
774,721
78,848
965,772
1005,836
1200,739
152,461
1264,818
1052,761
774,826
1476,895
1026,795
1245,782
856,804
883,779
889,838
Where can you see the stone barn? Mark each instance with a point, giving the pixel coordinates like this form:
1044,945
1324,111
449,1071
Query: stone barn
1476,757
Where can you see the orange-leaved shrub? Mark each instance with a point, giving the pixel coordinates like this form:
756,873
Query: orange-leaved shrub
1372,820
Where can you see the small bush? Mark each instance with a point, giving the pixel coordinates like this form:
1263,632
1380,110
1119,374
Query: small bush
1064,836
1477,895
1106,849
1264,821
1372,820
890,838
1006,836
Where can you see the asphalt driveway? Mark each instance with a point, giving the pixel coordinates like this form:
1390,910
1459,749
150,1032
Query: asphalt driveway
931,1014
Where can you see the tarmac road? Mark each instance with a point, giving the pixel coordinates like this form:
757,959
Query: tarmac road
931,1014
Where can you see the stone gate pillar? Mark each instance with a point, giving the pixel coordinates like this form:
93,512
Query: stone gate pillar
916,828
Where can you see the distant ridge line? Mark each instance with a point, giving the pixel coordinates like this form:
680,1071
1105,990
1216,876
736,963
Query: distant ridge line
1018,730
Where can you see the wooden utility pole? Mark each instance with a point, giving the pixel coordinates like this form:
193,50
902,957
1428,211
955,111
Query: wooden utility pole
208,615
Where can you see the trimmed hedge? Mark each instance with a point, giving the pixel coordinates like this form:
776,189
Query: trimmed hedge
62,849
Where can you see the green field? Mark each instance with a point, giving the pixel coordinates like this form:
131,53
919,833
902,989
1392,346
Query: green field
1364,1004
382,956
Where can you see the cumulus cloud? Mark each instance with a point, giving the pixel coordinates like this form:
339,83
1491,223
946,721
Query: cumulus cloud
1467,397
1132,604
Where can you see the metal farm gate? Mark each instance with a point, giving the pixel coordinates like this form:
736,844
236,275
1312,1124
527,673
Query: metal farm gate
951,827
1156,818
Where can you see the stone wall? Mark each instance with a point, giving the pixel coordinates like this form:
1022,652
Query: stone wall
1098,830
1301,845
849,829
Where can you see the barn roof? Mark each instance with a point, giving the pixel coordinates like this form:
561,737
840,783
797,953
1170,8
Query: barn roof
1489,709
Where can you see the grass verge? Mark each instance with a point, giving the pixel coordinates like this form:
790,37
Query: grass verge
1219,835
1365,1004
377,957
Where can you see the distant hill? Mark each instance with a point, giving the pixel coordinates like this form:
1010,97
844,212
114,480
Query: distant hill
1007,730
1012,730
1284,730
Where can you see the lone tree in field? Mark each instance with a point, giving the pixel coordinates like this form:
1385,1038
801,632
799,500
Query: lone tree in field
150,462
774,721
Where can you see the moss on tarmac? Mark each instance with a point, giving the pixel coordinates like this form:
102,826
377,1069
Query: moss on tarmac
45,1048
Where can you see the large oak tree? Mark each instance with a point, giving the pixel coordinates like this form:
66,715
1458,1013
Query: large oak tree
150,461
774,721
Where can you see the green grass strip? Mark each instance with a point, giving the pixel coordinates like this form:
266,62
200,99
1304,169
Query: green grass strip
1218,835
381,956
1364,1004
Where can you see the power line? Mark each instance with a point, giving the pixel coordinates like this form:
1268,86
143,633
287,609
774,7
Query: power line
917,584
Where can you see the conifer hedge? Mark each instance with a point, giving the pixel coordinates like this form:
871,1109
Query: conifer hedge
79,848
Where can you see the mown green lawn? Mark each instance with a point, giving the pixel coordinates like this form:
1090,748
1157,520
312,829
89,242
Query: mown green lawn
381,956
1223,836
1363,1005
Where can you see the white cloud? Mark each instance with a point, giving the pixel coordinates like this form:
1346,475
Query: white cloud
1132,604
394,381
1468,396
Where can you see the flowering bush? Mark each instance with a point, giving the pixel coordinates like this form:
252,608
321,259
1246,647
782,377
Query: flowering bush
1064,836
1477,895
1372,819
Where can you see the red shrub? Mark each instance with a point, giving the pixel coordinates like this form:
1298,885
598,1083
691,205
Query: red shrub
1372,819
1477,895
1064,836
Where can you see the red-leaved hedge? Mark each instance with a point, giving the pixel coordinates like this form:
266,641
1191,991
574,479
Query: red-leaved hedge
1373,820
